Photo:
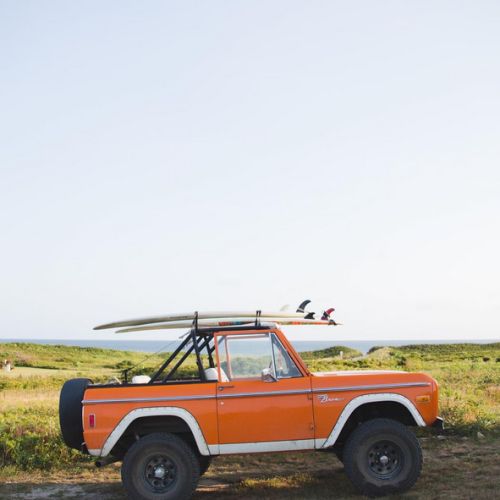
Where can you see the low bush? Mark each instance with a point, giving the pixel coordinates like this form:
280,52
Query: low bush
30,439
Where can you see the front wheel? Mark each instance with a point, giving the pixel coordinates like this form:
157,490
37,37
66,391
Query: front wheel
381,457
160,466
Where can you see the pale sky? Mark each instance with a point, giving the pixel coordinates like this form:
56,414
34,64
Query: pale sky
172,156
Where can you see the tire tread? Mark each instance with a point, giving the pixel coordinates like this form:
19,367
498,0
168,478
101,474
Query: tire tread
167,439
366,430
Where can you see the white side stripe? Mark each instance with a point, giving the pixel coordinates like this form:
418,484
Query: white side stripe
262,447
146,400
264,394
256,394
371,387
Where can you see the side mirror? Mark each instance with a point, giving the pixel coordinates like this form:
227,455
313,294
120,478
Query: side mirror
267,375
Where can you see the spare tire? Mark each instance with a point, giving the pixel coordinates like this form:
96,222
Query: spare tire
70,411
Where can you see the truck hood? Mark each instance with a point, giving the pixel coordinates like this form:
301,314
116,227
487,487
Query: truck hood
375,379
354,373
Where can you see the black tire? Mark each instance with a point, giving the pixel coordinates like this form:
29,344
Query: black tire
160,466
382,457
70,411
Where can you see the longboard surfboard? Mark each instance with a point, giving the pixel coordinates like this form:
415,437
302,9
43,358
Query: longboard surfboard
201,315
221,322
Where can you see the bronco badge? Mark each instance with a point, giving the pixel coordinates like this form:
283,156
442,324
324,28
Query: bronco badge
323,398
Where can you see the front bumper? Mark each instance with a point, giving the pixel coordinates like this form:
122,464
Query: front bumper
438,424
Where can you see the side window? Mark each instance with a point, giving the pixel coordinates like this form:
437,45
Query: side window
245,356
285,366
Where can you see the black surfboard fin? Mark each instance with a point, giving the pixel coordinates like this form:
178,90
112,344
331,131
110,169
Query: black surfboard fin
302,306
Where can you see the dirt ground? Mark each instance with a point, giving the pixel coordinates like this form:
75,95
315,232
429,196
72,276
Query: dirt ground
457,468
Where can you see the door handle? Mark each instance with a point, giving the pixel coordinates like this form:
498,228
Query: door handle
222,387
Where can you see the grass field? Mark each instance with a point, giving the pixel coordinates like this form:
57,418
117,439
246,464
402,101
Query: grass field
34,463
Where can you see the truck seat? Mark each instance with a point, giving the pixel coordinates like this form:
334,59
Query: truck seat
212,374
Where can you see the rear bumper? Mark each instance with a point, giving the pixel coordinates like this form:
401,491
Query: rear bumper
438,424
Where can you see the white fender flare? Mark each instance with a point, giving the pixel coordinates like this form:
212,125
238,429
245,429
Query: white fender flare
361,400
153,412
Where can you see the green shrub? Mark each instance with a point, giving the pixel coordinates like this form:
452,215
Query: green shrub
30,439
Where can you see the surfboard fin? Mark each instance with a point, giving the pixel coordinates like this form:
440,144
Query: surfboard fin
286,307
303,306
326,314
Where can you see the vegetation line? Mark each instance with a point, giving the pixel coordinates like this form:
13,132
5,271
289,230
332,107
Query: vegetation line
468,375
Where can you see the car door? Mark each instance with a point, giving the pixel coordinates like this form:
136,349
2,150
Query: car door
263,399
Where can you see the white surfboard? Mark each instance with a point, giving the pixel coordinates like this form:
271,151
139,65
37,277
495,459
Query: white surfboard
201,315
227,322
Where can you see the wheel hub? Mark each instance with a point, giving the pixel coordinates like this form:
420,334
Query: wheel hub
160,473
385,459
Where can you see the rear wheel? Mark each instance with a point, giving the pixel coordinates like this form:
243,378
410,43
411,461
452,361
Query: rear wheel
382,457
160,466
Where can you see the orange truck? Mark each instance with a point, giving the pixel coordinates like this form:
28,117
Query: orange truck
251,393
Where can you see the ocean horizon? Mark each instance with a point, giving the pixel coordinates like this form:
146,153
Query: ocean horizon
300,345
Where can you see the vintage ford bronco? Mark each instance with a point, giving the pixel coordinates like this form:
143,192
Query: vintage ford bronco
252,393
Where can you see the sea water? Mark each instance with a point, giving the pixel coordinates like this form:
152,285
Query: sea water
300,345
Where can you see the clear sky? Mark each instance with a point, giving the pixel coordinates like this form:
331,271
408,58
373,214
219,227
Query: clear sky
171,156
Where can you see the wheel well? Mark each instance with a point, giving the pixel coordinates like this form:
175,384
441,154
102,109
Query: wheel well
379,409
142,426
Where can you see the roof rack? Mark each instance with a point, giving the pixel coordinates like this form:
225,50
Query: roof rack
201,338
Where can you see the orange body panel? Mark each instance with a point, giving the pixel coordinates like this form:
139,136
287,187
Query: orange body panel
109,415
265,417
251,410
329,410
